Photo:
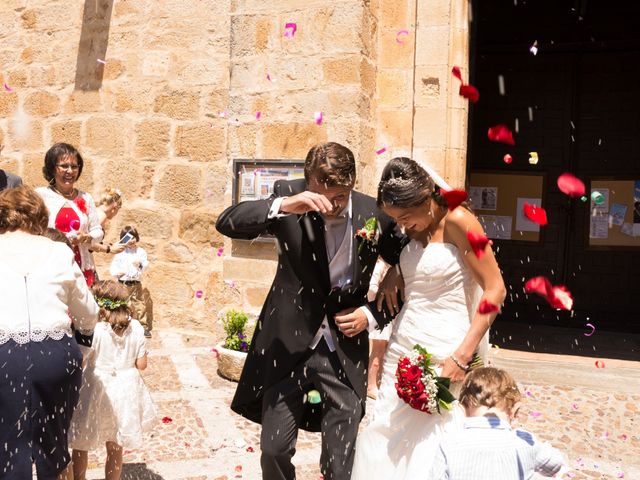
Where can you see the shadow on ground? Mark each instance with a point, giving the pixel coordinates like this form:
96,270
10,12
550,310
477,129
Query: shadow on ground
138,471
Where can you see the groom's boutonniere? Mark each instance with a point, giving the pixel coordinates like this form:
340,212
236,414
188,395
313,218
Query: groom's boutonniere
368,233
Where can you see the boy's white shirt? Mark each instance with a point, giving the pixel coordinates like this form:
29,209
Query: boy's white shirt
123,264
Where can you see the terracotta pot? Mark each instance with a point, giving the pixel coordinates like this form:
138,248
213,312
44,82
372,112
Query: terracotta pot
230,363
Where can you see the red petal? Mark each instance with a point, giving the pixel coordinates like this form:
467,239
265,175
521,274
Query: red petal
456,73
571,185
250,449
238,468
507,159
540,285
487,307
561,298
454,197
470,92
167,420
501,133
535,214
478,243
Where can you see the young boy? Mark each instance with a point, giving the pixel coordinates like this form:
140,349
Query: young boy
127,267
487,448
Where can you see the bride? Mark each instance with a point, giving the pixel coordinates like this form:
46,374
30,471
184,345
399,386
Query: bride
444,283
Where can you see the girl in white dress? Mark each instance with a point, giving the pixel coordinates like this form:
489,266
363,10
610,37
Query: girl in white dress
444,282
115,406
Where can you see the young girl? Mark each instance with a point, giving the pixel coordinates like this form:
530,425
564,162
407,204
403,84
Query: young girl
115,407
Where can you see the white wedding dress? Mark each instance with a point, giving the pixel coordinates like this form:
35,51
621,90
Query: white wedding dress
441,298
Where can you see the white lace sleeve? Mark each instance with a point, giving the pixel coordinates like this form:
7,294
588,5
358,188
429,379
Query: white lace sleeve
82,307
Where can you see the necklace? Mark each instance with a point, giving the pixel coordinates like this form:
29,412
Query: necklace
68,196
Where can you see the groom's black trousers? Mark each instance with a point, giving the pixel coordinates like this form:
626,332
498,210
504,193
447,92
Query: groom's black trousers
282,412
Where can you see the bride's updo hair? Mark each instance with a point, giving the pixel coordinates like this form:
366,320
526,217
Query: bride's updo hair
405,184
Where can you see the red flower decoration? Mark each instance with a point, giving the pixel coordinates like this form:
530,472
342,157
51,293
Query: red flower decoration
557,296
571,185
81,203
478,243
167,419
454,197
507,159
487,307
535,214
501,133
467,91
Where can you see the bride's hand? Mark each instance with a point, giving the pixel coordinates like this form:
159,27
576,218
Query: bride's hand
452,371
391,284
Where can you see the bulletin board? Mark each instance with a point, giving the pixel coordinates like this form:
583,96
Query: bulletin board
497,198
615,222
254,179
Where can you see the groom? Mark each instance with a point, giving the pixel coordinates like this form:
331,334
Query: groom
312,333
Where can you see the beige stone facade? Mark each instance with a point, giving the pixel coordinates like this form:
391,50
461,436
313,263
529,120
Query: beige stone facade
175,100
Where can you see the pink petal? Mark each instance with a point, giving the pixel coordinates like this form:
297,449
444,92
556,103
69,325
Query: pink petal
8,88
238,468
258,115
536,414
401,36
478,243
507,159
501,133
199,294
599,364
380,151
220,251
318,117
571,185
535,214
454,197
487,307
290,29
593,329
470,92
101,61
574,406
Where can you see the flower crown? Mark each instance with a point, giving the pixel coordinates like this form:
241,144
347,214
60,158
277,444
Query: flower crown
110,304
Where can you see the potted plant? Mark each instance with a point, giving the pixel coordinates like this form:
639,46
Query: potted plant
233,351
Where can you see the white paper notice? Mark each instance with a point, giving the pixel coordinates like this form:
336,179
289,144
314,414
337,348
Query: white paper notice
599,226
497,226
483,198
604,206
627,229
523,224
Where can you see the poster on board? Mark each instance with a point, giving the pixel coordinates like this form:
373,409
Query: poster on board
523,224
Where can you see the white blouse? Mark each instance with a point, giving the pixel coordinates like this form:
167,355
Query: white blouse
40,287
89,222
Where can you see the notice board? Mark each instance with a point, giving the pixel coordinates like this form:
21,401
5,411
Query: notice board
614,213
497,198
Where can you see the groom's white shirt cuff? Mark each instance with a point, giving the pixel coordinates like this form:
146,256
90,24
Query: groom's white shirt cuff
274,211
373,324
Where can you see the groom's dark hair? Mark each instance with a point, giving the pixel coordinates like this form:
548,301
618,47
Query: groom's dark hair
330,164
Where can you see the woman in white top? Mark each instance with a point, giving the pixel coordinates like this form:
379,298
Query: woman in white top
41,290
71,211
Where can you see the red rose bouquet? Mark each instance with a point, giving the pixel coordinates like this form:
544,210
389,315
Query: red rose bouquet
418,384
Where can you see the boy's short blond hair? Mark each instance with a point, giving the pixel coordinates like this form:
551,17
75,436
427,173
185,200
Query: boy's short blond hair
489,387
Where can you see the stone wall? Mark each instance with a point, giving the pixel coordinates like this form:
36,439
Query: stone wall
175,102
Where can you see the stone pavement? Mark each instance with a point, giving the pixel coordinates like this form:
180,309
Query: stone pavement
590,413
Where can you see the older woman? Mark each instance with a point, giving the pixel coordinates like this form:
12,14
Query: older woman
41,363
71,211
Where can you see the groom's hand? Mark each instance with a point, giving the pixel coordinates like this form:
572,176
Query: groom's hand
306,202
352,321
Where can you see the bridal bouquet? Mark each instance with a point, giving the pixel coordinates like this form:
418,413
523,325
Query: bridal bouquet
418,384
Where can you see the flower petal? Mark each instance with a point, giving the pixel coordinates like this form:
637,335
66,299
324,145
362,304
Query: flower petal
290,29
501,133
317,116
561,298
401,36
571,185
507,159
470,92
487,307
456,73
593,329
454,197
535,214
540,285
167,420
478,243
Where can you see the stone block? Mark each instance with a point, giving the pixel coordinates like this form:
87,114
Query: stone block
178,104
149,223
8,104
42,104
26,134
177,252
250,34
202,71
347,102
152,139
200,142
430,128
435,13
394,87
81,101
68,132
131,98
433,84
9,164
180,186
124,174
398,14
42,76
456,167
156,63
217,182
170,283
368,76
221,293
242,140
291,140
432,46
395,127
342,70
18,77
217,101
244,269
105,135
393,54
199,227
113,69
148,181
32,164
458,129
255,296
29,19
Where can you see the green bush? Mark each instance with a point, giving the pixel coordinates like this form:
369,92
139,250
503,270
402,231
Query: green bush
235,323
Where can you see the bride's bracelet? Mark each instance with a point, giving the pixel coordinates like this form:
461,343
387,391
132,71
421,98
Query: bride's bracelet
462,367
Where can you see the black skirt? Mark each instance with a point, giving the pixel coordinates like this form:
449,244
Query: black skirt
39,389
